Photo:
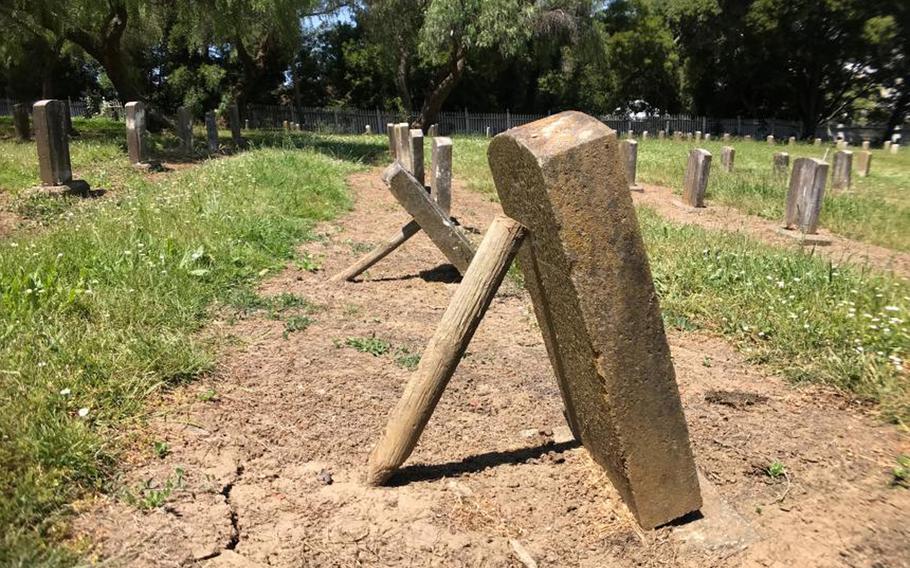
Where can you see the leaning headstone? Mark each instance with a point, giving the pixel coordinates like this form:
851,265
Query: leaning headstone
433,131
416,142
185,130
441,172
770,139
628,150
21,122
587,272
863,163
53,146
781,163
841,172
234,123
137,145
695,183
895,148
865,144
727,155
805,197
401,134
211,131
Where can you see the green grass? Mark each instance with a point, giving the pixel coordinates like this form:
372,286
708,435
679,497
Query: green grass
877,211
793,312
101,309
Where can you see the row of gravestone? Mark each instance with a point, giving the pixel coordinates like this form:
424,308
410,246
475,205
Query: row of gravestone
806,188
53,126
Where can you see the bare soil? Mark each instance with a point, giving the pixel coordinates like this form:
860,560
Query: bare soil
720,217
273,444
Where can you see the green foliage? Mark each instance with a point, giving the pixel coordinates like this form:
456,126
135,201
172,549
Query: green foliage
103,307
149,495
775,469
901,472
372,345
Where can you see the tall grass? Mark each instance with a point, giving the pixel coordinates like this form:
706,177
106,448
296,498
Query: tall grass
100,310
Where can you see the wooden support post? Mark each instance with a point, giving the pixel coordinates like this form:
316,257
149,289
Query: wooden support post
379,253
413,196
442,355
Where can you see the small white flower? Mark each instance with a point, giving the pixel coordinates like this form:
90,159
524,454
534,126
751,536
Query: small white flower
83,412
64,392
892,309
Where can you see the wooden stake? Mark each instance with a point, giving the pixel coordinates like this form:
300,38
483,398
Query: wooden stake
444,352
379,253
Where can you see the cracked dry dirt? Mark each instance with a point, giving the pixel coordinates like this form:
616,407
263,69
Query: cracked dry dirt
272,463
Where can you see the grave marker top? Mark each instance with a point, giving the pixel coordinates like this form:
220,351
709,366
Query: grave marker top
588,275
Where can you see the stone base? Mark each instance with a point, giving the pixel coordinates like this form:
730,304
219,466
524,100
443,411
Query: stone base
75,187
803,238
718,529
688,208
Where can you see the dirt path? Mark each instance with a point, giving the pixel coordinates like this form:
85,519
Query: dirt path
273,443
720,217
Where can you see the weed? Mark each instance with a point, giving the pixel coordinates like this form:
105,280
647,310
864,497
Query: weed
775,470
161,449
901,472
149,496
405,359
296,323
308,263
207,395
372,345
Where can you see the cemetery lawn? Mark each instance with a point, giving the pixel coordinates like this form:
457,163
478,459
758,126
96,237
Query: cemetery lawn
101,307
797,313
877,210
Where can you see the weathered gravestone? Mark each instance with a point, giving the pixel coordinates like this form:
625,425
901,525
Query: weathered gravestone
804,200
841,172
698,135
234,123
841,144
695,184
390,131
137,145
747,137
211,131
185,130
707,136
587,272
817,142
416,144
895,148
781,163
886,145
726,137
368,130
489,132
53,147
770,139
661,134
402,137
865,144
629,152
430,211
21,122
727,156
863,163
644,135
433,131
791,141
441,172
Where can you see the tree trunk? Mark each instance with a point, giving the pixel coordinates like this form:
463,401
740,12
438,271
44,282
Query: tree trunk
438,94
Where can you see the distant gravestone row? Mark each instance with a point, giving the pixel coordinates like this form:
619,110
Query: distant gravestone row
53,127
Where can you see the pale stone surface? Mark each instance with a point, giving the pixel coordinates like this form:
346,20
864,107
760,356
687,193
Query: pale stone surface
644,135
433,131
286,124
21,122
416,142
629,152
895,148
863,163
720,528
791,141
841,144
489,132
698,135
695,183
727,157
865,144
806,194
887,145
587,272
661,134
211,130
707,136
441,174
401,135
390,131
747,137
770,139
368,129
817,142
781,163
726,137
185,129
52,142
841,170
136,135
